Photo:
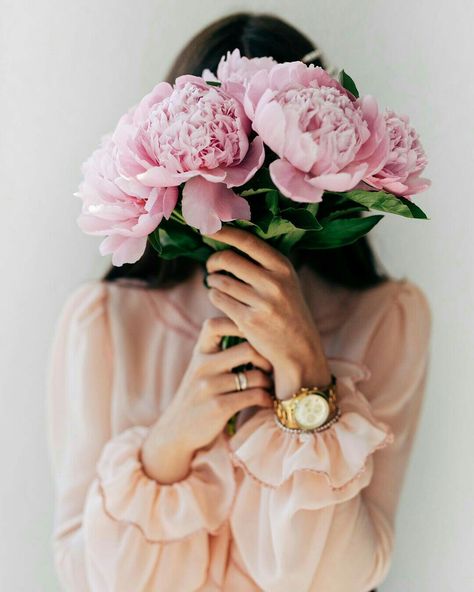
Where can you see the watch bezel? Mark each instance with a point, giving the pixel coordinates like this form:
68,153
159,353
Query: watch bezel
300,400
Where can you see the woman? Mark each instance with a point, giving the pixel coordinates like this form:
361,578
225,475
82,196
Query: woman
152,493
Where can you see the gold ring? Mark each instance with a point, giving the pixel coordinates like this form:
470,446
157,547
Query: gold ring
243,381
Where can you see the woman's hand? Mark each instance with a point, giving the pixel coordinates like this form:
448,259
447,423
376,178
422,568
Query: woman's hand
267,305
206,399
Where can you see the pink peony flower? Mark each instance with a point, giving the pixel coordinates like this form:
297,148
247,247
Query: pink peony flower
325,138
188,130
125,217
235,71
406,160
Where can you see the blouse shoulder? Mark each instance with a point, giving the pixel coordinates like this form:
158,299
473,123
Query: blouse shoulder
398,346
84,303
395,311
403,298
409,305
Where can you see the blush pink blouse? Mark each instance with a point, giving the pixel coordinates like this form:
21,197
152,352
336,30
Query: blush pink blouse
260,510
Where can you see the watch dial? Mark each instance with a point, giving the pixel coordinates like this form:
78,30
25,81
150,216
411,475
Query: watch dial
311,411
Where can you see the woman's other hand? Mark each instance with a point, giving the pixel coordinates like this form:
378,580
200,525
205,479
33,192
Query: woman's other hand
206,399
266,302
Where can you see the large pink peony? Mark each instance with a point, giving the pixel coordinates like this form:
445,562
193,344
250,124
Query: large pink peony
406,160
190,130
235,71
126,218
325,138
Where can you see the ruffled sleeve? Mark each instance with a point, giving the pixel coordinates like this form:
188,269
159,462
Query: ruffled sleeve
116,529
316,511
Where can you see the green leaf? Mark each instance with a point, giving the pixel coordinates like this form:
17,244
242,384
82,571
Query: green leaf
416,211
277,227
301,218
154,240
347,82
386,202
338,233
213,82
249,192
345,212
180,240
271,201
313,208
288,241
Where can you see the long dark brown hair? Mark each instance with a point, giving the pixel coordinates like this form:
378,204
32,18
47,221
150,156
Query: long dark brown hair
255,35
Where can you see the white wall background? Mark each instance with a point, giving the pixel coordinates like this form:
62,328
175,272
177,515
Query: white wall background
69,69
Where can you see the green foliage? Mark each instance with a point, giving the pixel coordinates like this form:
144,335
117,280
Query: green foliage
347,82
285,224
173,239
386,202
338,232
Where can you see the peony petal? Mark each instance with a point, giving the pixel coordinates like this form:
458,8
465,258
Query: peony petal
131,186
293,183
241,173
216,175
270,124
170,199
343,181
300,149
417,184
123,249
205,205
255,90
161,177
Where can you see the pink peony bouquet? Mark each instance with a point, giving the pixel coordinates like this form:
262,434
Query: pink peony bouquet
283,150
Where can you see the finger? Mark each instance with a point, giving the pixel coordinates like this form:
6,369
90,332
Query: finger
228,305
242,268
237,289
228,382
253,245
212,331
225,360
231,403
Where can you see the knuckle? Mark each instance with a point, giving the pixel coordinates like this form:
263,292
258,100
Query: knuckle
224,257
260,394
275,289
285,268
261,379
207,326
201,369
247,349
221,404
202,384
211,325
224,280
268,307
253,318
213,259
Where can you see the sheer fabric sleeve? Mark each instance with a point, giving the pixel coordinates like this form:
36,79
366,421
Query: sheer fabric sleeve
116,529
316,512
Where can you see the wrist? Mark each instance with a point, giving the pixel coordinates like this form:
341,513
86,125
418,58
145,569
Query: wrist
297,374
165,460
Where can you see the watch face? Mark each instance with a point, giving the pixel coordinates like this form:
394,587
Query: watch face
311,411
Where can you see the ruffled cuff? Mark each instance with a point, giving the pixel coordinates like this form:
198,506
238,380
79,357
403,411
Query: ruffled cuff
166,512
338,461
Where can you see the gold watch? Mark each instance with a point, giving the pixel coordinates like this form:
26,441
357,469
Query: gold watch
309,408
